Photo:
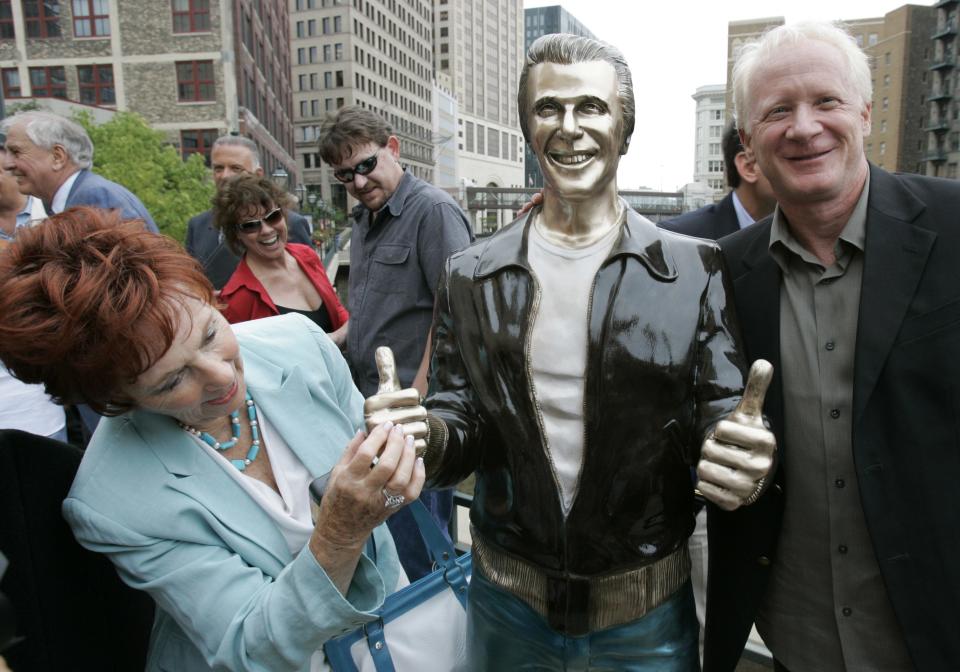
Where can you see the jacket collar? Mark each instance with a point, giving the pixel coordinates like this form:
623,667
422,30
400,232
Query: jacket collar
199,477
895,258
243,278
394,204
639,238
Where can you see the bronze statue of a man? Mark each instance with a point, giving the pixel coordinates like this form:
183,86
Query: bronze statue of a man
582,357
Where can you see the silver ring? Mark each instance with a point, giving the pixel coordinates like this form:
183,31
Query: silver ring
392,501
375,461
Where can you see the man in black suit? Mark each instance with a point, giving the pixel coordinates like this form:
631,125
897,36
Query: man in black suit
750,198
852,290
231,155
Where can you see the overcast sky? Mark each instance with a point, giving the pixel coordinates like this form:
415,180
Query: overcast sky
675,46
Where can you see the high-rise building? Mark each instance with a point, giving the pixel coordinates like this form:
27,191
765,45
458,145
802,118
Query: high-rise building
478,44
445,134
708,133
195,69
541,21
898,45
942,120
372,53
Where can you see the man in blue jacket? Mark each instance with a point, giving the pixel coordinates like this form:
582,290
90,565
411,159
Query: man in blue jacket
51,158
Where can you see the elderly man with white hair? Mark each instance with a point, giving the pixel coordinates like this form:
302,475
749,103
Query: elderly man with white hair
852,290
50,156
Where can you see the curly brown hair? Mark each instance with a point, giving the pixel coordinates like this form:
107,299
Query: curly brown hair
240,196
89,302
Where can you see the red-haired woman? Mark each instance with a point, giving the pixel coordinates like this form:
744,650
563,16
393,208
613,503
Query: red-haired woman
197,487
274,277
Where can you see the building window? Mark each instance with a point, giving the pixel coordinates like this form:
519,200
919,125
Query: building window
91,18
872,39
191,16
6,20
469,136
195,81
493,142
481,136
11,83
42,18
197,142
48,82
96,84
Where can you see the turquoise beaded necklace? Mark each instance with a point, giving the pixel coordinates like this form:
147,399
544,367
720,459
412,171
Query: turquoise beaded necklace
235,435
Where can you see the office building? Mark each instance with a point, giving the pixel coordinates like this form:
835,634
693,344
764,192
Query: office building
709,122
942,120
195,69
478,44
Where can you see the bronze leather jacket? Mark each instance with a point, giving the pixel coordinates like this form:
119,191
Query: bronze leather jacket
664,364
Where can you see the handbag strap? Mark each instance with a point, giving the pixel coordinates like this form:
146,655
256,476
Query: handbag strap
377,643
439,548
441,551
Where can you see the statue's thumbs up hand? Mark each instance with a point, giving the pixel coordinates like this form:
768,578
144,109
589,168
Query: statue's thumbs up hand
399,406
737,459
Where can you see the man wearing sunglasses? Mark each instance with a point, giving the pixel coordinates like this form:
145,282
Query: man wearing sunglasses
403,232
231,155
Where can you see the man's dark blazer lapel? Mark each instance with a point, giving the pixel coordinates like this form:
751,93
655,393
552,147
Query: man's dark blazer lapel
895,257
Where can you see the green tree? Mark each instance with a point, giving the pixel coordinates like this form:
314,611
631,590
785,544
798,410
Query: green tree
129,152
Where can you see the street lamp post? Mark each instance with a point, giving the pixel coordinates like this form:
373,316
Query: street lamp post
280,177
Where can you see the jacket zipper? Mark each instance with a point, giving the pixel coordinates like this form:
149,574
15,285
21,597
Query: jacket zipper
533,393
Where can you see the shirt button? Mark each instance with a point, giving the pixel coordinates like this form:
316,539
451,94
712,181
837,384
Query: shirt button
830,345
847,611
835,413
839,482
842,548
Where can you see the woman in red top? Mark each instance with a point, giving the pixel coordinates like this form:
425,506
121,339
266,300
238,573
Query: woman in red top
273,277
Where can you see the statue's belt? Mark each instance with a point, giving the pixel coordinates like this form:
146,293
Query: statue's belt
577,606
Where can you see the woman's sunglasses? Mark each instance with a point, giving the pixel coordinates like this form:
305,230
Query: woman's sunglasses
252,226
365,167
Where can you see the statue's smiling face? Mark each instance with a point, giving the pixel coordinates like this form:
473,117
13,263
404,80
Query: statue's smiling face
575,125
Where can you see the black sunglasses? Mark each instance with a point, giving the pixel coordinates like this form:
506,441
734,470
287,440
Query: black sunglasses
365,167
252,226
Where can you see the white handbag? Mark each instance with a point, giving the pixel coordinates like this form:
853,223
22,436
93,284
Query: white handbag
420,627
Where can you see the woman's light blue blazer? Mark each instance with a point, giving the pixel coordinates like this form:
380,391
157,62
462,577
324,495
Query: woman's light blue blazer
229,594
